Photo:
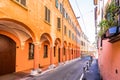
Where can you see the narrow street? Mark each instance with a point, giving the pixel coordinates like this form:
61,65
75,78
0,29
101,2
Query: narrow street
59,39
69,71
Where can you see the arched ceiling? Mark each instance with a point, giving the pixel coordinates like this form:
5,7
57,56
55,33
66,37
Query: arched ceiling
17,29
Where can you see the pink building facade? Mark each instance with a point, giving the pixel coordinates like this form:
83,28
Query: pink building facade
108,48
109,59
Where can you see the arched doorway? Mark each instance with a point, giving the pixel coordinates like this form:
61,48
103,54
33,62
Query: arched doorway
65,50
57,48
45,50
20,35
69,50
7,55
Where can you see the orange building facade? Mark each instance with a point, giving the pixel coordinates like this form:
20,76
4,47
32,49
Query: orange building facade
39,33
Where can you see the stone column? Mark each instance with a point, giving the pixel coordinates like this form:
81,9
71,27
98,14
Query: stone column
51,55
36,69
36,55
61,54
66,54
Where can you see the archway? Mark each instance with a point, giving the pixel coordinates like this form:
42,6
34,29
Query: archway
57,49
18,36
69,50
45,50
65,51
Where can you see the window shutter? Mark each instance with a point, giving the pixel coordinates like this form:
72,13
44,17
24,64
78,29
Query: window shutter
56,3
46,13
49,16
23,2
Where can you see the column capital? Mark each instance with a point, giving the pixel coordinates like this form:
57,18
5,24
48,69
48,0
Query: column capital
51,46
61,46
66,47
36,43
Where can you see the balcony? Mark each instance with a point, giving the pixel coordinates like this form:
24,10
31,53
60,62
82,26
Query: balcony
113,34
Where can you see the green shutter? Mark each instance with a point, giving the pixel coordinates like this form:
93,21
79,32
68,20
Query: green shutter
56,3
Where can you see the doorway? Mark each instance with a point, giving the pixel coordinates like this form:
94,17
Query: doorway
59,55
7,55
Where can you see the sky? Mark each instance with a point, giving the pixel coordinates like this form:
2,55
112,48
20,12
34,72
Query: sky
85,10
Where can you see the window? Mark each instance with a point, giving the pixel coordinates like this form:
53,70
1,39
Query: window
47,14
65,30
68,19
82,43
31,51
117,2
64,12
54,51
67,16
61,8
69,34
22,2
72,36
45,51
58,24
56,3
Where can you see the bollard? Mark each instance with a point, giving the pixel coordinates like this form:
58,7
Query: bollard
90,63
84,79
84,69
87,66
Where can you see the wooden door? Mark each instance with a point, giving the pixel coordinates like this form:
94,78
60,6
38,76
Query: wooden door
7,55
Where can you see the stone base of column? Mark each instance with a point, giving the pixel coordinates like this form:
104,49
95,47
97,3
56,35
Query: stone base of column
66,62
35,72
52,66
59,64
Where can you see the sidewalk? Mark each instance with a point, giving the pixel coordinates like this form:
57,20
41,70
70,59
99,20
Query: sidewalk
93,72
25,75
22,75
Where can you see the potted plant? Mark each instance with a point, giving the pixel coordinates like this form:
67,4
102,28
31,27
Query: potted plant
103,27
110,18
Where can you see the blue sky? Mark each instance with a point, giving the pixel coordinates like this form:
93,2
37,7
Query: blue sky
86,13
